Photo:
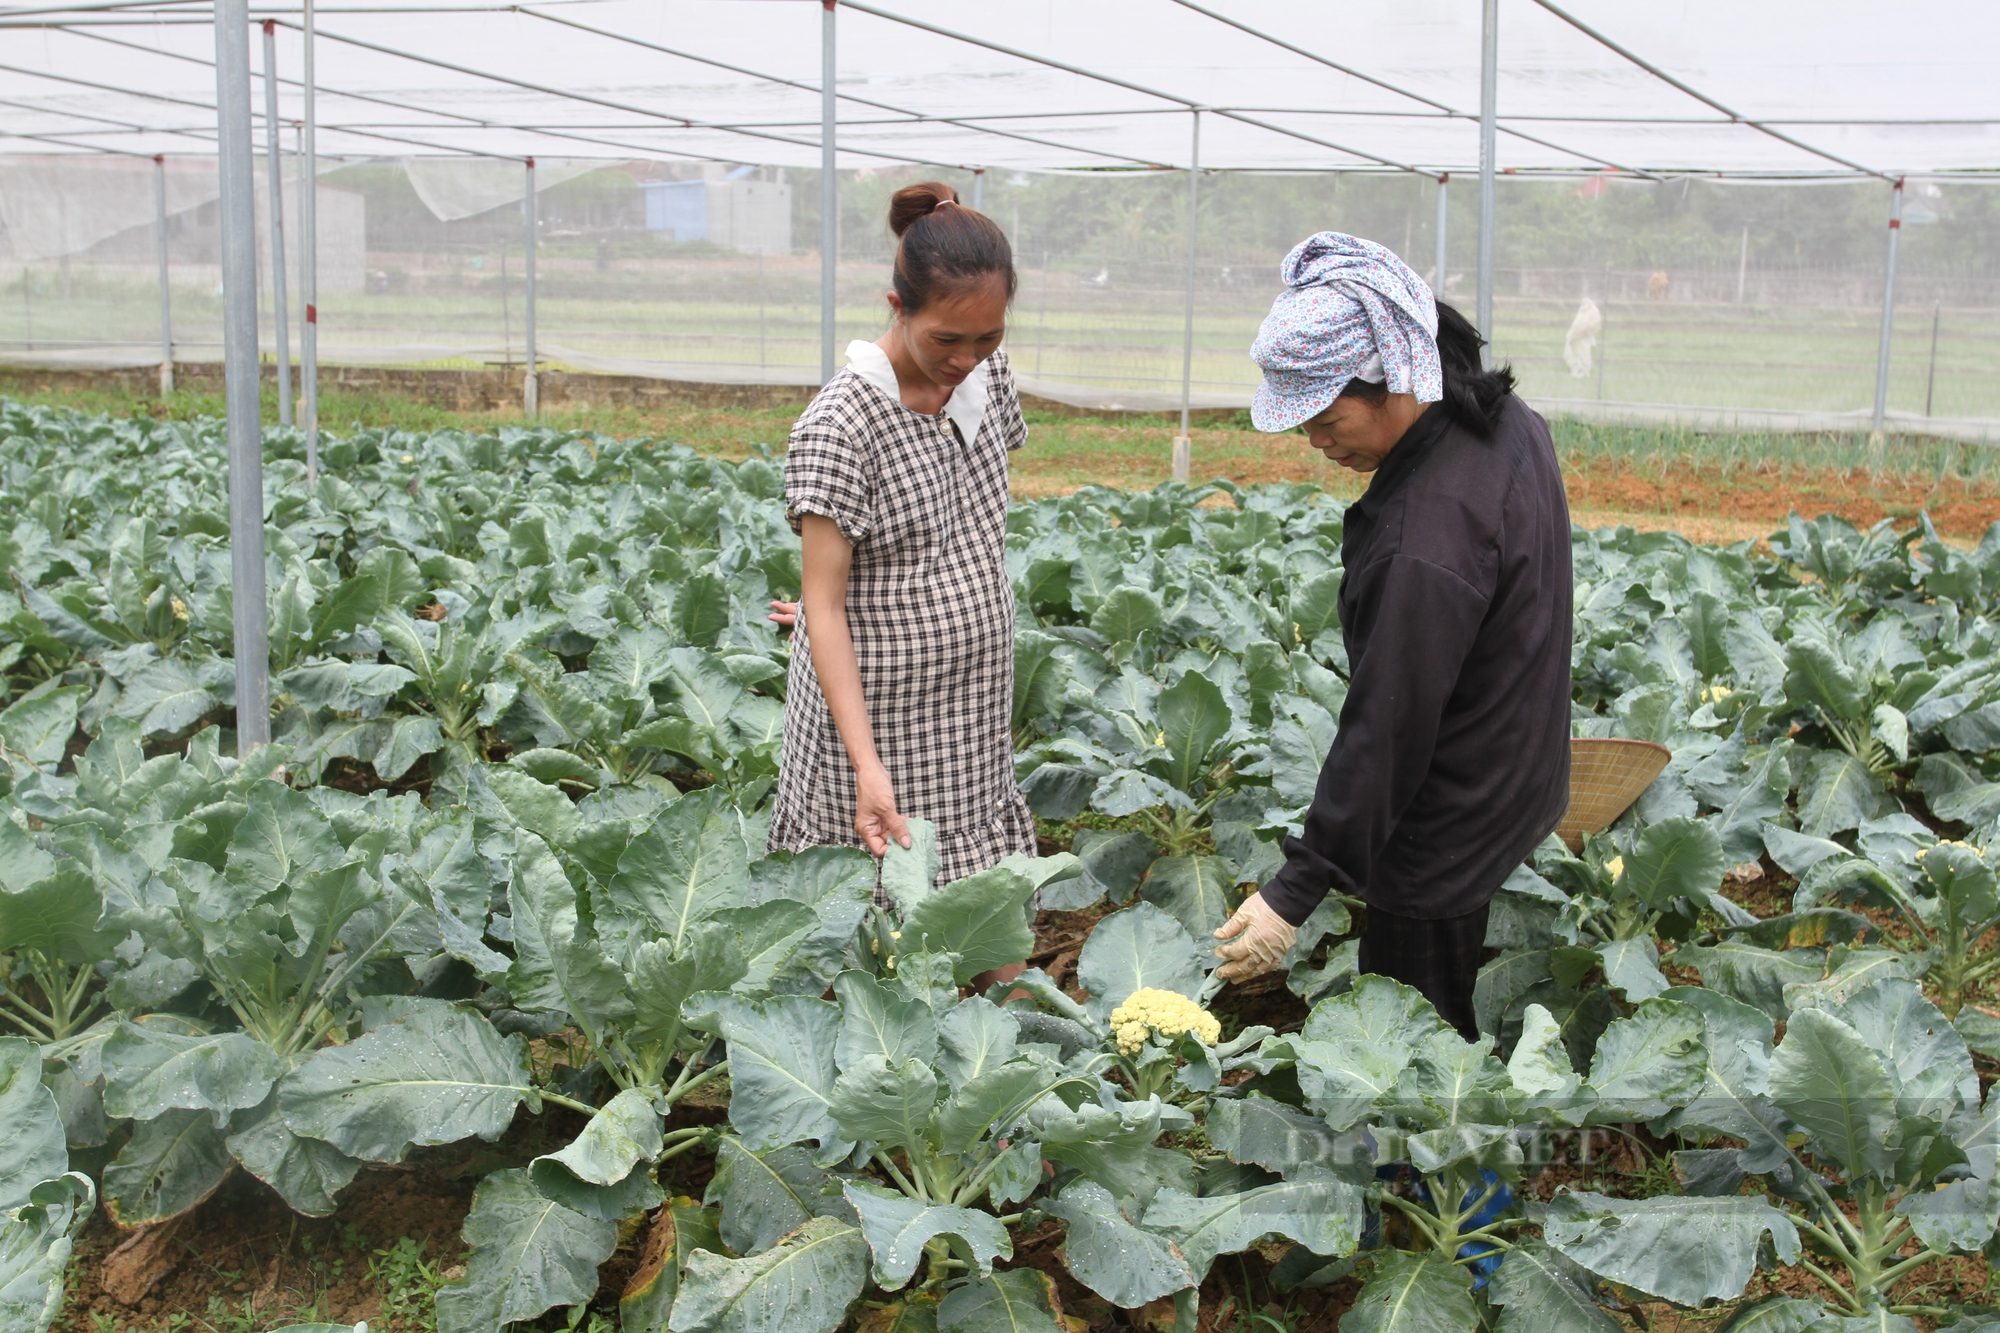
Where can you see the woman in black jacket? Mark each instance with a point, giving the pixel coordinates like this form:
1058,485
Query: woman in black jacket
1451,762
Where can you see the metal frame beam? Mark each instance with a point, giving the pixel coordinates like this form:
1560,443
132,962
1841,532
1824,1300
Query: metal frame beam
1763,127
683,122
918,116
1386,86
1187,103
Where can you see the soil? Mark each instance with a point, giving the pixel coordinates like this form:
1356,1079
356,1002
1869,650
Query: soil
1743,502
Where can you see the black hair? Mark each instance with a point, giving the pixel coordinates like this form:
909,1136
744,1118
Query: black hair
1472,395
941,245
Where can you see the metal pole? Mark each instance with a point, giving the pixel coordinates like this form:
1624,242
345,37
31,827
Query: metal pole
762,357
1930,381
1743,265
1438,272
1489,78
531,397
978,189
274,166
239,360
829,194
309,263
166,298
1184,442
1875,437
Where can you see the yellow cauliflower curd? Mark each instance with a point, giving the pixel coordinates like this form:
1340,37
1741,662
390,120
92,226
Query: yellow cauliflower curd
1166,1012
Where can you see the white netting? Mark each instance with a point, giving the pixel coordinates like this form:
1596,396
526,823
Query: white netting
1717,304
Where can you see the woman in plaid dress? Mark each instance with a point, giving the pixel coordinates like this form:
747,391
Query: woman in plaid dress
902,679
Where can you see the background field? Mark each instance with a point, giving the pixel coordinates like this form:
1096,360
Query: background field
1711,487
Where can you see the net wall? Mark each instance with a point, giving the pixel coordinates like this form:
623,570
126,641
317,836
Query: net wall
1691,300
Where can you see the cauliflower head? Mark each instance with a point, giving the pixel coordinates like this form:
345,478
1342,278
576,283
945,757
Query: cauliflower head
1169,1013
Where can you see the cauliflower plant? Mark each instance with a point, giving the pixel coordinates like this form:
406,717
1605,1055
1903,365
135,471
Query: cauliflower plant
1168,1013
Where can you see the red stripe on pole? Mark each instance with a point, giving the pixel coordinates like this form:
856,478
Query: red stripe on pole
312,313
1895,224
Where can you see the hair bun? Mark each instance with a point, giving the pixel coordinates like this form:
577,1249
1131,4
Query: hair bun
917,201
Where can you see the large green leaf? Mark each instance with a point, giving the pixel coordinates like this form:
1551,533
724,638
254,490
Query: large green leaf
1706,619
909,873
1774,1314
39,725
1814,674
169,1165
980,918
528,1255
781,1067
281,835
35,1246
148,1070
437,1076
1315,1208
1735,1099
57,917
31,1129
662,978
1120,1261
1837,793
975,1038
512,797
1300,739
1924,1053
1195,890
1685,1250
1315,605
1134,949
690,864
803,1284
595,1174
1828,1079
1020,1300
677,1231
1755,976
898,1227
1193,716
1270,1134
1413,1293
1343,1081
993,1101
1127,613
1649,1063
767,1195
875,1020
306,1173
887,1102
556,965
1377,1010
1675,858
1537,1295
1633,966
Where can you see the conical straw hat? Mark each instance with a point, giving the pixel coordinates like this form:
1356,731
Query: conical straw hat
1606,775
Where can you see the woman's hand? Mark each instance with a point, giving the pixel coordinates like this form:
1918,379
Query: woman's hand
783,614
1258,940
875,817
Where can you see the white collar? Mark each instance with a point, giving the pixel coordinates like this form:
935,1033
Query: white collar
965,407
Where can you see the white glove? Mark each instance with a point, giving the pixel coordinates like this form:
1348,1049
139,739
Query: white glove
1258,939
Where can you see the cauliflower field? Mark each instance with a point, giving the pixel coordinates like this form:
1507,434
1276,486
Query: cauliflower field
504,866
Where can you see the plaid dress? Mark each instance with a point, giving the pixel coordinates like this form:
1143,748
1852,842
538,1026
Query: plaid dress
931,612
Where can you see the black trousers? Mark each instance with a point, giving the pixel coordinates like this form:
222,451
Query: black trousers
1439,958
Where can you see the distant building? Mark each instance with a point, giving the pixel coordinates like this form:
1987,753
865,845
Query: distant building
746,215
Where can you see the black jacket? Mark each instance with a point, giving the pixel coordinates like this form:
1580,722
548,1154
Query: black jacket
1452,759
